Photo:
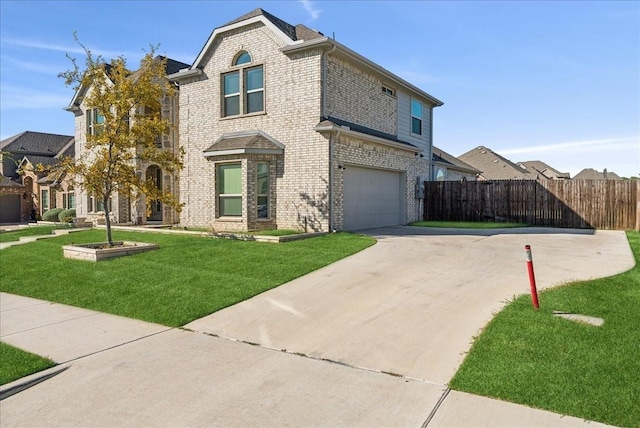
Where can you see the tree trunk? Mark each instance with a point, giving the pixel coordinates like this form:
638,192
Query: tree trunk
107,219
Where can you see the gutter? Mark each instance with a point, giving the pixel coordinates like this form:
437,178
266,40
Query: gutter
185,74
367,137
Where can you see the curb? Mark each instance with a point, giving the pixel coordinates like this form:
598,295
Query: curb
27,382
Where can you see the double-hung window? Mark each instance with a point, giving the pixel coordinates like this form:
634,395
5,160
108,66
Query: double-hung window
243,88
229,190
44,199
416,117
95,121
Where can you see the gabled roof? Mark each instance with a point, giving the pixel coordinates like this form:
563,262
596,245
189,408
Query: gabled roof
452,162
592,174
544,169
254,142
171,66
494,166
36,143
294,38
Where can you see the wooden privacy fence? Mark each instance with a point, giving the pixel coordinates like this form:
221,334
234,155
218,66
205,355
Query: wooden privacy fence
597,204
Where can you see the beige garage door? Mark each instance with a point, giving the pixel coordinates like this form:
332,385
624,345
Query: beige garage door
373,198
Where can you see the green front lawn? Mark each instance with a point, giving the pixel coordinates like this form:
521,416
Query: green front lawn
540,360
467,224
16,363
187,278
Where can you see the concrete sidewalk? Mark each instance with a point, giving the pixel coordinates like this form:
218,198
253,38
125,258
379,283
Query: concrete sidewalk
312,352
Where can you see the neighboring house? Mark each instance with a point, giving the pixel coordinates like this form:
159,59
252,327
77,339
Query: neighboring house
26,193
538,167
122,208
496,167
592,174
449,168
286,128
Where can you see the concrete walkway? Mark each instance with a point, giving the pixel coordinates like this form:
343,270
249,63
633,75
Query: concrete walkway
368,341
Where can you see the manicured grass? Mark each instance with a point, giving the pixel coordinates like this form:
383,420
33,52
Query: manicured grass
540,360
15,235
16,363
187,278
467,224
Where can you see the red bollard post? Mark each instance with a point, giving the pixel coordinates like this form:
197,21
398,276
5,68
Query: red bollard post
532,278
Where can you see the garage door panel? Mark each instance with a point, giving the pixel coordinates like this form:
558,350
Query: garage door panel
372,198
9,208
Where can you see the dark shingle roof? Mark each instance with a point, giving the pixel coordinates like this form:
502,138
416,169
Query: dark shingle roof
494,166
440,155
7,182
592,174
297,32
37,143
328,121
544,169
173,66
250,140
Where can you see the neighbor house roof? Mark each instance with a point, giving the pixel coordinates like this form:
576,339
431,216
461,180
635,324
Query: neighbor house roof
7,182
296,38
592,174
36,143
452,162
171,66
544,169
494,166
255,142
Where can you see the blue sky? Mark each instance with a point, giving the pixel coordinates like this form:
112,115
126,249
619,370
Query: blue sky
551,81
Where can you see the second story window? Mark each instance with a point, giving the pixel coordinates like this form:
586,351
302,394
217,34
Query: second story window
416,117
243,89
94,121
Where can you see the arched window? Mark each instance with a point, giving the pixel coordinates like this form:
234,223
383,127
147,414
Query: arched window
242,57
440,175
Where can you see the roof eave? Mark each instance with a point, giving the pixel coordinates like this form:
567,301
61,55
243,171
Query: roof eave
185,74
217,153
346,131
330,43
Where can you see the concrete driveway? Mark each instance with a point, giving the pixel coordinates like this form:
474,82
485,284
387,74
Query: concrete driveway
411,304
311,352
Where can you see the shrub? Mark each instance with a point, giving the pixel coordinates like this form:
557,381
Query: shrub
51,215
67,216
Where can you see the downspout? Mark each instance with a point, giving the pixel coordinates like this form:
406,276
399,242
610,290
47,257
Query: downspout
323,109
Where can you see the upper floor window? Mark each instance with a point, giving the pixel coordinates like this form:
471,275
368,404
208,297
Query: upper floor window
243,89
242,58
416,117
94,121
388,91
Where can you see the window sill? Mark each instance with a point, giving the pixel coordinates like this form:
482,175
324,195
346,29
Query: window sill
230,219
239,116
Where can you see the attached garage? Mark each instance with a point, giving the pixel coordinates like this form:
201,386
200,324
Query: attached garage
373,198
10,209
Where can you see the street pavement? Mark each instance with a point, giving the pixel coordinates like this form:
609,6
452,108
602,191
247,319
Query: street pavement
371,340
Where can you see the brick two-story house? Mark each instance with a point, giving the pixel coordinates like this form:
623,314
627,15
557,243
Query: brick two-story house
286,128
122,208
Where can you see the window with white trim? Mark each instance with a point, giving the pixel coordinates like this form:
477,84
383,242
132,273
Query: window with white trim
243,89
416,117
44,200
229,179
95,121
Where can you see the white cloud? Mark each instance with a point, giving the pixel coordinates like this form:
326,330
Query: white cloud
576,146
35,67
35,44
14,98
313,12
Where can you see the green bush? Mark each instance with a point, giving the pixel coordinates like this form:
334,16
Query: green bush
67,216
51,215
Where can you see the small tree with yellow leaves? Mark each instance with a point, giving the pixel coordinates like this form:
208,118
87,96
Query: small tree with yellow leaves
126,107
